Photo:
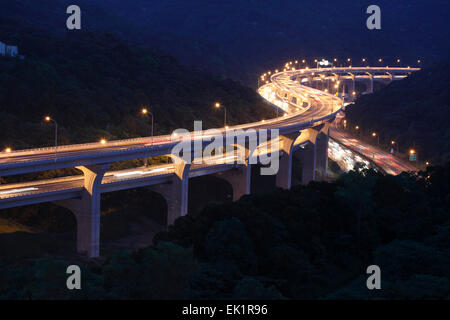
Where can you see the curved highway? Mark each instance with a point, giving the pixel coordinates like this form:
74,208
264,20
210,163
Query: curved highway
283,86
302,107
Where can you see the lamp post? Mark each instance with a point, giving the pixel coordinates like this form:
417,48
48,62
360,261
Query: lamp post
394,143
412,155
146,112
49,119
374,134
217,105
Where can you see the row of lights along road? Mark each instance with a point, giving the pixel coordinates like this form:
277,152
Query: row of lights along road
393,143
144,112
48,119
303,63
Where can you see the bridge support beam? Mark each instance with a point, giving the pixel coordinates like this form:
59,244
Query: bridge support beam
87,210
284,175
322,154
307,158
239,179
176,193
307,153
370,89
353,87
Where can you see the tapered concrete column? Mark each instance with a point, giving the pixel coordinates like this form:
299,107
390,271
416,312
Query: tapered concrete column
176,193
322,155
307,158
306,154
370,90
284,175
353,85
178,206
87,210
239,179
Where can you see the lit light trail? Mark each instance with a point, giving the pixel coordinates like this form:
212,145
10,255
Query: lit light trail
18,190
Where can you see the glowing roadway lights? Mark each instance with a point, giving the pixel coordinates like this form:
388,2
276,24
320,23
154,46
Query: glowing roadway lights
49,119
217,105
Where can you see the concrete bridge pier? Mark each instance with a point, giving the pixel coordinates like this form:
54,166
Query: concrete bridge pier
353,84
307,157
306,152
87,210
176,193
239,179
284,175
322,155
370,87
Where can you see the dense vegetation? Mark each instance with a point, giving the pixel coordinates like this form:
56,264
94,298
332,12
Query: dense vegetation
94,85
415,112
314,241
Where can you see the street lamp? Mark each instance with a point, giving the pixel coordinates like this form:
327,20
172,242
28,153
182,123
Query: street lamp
218,106
394,143
146,112
103,141
49,119
374,134
8,150
412,155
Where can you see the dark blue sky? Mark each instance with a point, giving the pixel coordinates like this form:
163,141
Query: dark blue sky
241,37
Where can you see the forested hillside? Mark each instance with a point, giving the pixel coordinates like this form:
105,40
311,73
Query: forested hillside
311,242
94,85
415,112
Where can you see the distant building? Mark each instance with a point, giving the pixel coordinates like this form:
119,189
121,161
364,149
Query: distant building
9,51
